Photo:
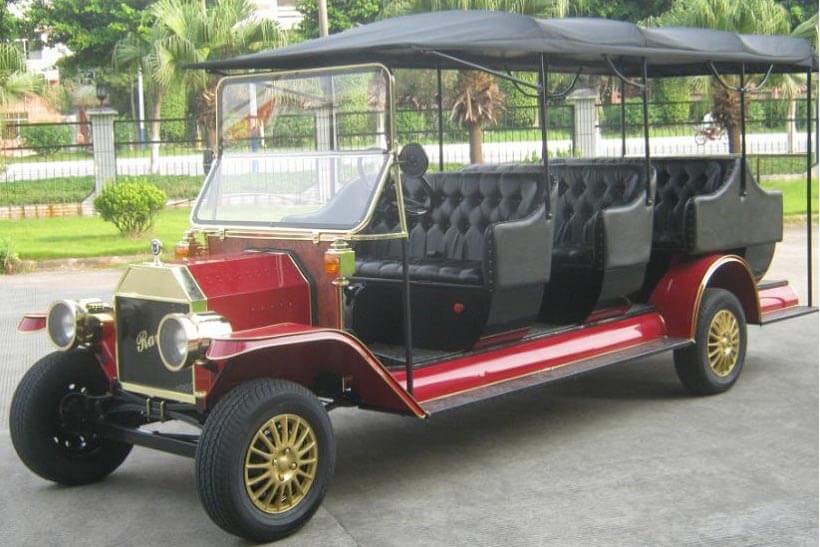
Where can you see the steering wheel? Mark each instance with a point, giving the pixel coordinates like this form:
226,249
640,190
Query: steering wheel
413,163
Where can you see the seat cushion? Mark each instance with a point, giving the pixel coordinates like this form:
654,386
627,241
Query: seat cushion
432,269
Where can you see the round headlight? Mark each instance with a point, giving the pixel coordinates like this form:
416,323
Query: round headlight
61,323
183,339
175,333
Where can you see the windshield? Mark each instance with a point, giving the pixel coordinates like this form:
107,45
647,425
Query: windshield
300,150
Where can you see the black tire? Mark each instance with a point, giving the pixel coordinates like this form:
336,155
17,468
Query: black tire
39,434
692,363
226,437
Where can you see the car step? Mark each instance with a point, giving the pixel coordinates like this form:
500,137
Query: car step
786,313
553,374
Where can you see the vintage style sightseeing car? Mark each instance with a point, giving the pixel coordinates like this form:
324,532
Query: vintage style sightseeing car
326,268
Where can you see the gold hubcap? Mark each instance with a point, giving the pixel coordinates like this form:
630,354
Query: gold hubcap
723,346
280,464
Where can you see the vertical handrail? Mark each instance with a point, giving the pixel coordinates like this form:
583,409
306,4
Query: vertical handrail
623,118
543,117
647,159
440,102
742,91
408,325
808,188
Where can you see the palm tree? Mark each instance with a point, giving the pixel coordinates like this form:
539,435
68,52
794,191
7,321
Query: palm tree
477,99
15,82
741,16
192,31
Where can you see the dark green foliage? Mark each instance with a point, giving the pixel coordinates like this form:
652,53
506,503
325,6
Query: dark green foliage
341,15
673,95
131,206
46,139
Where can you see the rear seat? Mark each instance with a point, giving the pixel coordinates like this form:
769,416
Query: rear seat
700,209
479,258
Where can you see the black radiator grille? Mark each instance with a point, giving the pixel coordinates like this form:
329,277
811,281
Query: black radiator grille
138,354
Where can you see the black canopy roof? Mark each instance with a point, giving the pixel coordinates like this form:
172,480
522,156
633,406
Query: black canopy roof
501,40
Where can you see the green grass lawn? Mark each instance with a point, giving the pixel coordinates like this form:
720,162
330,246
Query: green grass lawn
82,237
794,194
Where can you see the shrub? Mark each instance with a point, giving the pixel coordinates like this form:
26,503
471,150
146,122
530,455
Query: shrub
46,139
9,259
130,206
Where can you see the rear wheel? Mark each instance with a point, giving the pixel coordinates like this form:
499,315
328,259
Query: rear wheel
714,363
47,421
265,459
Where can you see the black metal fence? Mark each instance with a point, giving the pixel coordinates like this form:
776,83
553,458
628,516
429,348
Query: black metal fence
54,162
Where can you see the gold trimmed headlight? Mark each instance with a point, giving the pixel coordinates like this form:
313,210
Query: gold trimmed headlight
183,339
73,322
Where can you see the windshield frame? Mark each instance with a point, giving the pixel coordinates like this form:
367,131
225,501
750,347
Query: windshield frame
268,230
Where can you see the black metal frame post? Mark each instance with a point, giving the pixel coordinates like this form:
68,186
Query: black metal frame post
808,189
408,320
440,101
623,117
647,158
742,91
543,118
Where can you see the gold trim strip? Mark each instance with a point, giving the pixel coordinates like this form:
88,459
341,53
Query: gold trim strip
158,392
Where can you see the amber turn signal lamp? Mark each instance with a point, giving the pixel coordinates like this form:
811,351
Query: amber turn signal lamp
181,251
340,260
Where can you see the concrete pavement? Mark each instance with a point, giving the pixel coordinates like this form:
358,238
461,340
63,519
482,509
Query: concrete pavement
620,457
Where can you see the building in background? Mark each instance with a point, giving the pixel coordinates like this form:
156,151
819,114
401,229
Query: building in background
282,11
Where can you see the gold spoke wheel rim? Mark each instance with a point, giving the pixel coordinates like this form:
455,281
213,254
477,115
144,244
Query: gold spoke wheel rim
280,463
723,345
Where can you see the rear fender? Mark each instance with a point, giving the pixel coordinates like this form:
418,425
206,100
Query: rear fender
678,294
306,354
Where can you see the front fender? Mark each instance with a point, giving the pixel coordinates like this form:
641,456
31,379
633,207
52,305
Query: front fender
302,354
678,294
32,322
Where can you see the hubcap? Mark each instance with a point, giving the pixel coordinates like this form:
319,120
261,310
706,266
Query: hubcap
280,463
723,346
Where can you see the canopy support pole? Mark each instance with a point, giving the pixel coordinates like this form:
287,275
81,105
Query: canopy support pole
647,160
742,91
543,118
476,66
808,188
440,102
623,118
408,325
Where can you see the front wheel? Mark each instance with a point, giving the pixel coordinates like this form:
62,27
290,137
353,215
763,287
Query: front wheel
714,363
265,458
47,420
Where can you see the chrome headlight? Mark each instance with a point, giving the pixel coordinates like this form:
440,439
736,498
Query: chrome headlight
70,322
183,339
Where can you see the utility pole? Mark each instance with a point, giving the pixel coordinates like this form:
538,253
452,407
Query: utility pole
141,105
322,18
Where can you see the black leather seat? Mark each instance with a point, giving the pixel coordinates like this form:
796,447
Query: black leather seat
478,260
701,208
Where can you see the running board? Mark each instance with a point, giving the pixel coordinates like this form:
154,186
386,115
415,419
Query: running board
786,313
553,374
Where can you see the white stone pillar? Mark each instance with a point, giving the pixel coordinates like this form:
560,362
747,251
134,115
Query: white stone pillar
102,139
585,124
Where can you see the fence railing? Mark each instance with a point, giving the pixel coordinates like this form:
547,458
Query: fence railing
54,162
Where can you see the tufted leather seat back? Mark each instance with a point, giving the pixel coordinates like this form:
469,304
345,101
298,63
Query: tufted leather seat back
462,206
584,189
679,180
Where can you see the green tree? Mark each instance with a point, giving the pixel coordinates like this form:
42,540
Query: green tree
90,28
741,16
192,31
341,15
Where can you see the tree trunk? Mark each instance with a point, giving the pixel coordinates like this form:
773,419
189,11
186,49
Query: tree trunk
156,112
476,139
735,138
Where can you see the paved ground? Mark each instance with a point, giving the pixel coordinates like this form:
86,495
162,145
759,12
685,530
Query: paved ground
620,457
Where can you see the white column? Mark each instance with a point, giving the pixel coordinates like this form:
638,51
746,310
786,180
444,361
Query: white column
586,121
102,138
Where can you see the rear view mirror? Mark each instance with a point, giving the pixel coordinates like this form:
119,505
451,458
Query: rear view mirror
413,160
